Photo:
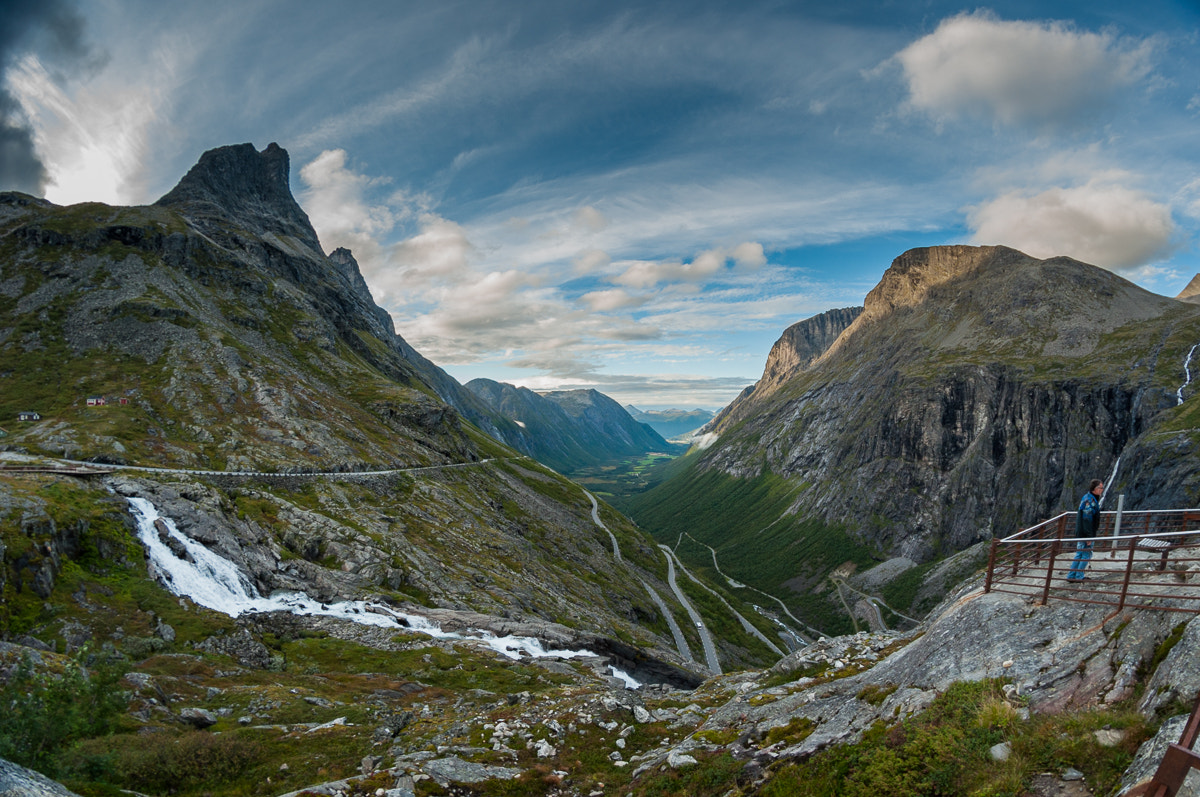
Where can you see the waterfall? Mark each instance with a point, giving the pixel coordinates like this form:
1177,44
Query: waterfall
210,580
1187,375
1112,477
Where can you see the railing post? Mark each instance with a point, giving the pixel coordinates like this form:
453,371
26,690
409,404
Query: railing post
1062,527
987,583
1128,571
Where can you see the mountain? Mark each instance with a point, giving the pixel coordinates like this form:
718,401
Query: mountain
670,423
569,429
268,434
1191,292
247,385
978,391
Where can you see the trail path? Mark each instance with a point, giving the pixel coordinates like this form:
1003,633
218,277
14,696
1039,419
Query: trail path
283,474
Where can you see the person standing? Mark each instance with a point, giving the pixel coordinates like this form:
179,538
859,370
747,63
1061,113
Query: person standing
1087,522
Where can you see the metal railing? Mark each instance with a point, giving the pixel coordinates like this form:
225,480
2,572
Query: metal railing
1178,760
1140,560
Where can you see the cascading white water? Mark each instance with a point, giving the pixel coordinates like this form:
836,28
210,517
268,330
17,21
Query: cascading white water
1187,374
1111,478
213,581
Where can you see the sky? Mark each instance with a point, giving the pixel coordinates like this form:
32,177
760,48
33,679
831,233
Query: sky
634,197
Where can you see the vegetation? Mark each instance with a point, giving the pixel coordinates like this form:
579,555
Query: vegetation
757,542
945,751
42,714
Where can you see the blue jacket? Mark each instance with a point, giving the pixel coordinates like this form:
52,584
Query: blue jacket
1088,519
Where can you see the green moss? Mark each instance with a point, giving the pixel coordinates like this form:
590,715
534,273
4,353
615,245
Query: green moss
875,694
795,731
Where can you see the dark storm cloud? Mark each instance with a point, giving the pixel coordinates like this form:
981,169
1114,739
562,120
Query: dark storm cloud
55,27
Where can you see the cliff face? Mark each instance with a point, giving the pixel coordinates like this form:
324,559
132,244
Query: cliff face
804,342
978,391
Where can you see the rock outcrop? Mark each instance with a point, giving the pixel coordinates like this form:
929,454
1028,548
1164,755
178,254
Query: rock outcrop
1191,292
17,781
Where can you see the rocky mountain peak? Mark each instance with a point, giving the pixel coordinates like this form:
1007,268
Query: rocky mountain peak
1191,293
914,273
803,342
239,182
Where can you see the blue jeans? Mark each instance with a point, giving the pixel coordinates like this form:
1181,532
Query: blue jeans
1083,554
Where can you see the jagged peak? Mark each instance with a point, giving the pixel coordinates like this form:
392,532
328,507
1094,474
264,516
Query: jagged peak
246,185
1191,293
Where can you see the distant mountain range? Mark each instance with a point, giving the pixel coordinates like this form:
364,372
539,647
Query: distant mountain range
671,423
569,429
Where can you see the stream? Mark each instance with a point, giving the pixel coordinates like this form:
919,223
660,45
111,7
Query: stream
212,581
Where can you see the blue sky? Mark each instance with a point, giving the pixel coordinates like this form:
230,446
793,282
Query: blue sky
634,197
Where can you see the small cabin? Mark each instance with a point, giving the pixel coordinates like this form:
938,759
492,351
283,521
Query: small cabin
124,401
29,416
96,401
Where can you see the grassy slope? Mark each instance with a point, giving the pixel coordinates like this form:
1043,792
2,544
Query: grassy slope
756,542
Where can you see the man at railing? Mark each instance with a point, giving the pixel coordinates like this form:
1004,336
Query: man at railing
1087,520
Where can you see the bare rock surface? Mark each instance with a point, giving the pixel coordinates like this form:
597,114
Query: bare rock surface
17,781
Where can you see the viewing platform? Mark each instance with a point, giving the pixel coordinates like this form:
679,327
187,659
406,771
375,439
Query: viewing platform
1140,560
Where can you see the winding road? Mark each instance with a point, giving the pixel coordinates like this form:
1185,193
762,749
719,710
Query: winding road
710,650
685,650
746,624
815,632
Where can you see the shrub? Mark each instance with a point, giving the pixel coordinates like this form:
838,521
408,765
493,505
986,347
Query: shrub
41,714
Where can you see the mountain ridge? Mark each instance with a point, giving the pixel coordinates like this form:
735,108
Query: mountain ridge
572,429
977,393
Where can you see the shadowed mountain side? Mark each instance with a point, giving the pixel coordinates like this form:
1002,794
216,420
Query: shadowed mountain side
571,429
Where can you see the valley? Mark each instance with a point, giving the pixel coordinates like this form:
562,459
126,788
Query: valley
254,543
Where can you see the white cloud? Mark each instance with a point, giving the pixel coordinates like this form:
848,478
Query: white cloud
93,139
1103,224
335,198
591,261
609,300
647,273
589,219
439,250
1018,72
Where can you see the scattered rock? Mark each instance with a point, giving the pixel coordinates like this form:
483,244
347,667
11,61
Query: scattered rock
1001,752
197,717
677,760
453,769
